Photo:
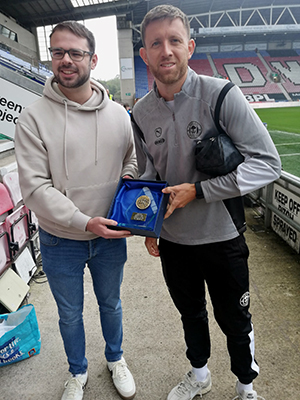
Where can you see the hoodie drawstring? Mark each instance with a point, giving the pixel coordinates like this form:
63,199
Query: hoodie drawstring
96,139
65,139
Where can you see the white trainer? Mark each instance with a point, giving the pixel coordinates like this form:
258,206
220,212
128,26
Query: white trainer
122,379
246,394
189,387
74,387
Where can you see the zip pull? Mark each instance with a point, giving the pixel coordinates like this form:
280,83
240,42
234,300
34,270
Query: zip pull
211,139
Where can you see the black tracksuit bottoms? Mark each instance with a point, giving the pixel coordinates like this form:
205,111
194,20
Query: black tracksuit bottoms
224,268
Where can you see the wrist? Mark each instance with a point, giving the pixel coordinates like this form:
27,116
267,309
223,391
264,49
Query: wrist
128,176
88,225
199,191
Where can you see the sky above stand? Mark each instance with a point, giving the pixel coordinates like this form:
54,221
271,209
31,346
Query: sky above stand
106,36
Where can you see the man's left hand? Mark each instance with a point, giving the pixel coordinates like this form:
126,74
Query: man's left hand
180,196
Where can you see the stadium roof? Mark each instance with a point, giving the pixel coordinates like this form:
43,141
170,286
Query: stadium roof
32,13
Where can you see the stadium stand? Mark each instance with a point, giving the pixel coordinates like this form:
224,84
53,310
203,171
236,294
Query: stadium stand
274,75
141,77
201,65
286,65
22,67
246,70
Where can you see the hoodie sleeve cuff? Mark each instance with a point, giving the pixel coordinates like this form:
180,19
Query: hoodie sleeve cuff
80,220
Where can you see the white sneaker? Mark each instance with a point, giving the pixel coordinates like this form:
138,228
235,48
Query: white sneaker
189,387
74,387
246,394
122,379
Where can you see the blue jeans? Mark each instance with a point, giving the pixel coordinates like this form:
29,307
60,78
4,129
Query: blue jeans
64,261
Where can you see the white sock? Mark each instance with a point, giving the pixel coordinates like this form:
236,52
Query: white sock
201,373
246,388
81,375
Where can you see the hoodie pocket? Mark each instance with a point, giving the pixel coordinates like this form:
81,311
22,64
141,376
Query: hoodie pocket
93,200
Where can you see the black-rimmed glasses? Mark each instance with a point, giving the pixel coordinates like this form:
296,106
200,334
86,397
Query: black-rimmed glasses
75,54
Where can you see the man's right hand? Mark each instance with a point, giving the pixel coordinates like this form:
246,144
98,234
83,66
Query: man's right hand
152,246
98,226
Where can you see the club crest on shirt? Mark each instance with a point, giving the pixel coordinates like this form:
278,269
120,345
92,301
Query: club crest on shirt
194,130
158,132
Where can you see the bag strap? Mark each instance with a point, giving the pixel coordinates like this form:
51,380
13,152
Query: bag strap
222,94
137,128
235,206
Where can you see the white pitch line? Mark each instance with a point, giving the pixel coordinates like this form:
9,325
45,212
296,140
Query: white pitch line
287,144
284,133
289,155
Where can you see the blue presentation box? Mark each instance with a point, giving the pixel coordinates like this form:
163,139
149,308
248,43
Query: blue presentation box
139,206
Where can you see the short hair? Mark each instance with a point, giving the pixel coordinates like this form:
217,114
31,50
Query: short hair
77,29
162,12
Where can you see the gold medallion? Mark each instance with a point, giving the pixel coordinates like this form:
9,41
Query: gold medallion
143,202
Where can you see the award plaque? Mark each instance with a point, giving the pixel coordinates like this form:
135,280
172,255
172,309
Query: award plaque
139,206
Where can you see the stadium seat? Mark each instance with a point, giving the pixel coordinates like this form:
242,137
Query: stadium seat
18,229
11,181
6,203
5,252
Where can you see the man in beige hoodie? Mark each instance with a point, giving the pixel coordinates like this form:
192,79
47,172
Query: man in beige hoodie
72,147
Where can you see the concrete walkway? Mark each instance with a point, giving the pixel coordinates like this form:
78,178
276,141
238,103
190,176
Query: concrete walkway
153,339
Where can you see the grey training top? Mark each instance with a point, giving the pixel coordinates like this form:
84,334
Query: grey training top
171,136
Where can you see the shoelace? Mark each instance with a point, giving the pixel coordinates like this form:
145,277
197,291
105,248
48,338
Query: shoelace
73,385
184,386
121,371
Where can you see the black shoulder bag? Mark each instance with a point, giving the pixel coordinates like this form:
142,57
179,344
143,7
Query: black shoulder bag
217,155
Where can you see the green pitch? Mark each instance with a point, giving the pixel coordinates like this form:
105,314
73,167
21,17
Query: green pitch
284,127
286,119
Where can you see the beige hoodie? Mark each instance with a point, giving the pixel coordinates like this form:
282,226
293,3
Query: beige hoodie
70,158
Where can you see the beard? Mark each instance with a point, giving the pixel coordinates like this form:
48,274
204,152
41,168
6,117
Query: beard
171,77
73,84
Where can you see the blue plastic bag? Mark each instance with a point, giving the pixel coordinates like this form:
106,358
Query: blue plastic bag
20,336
